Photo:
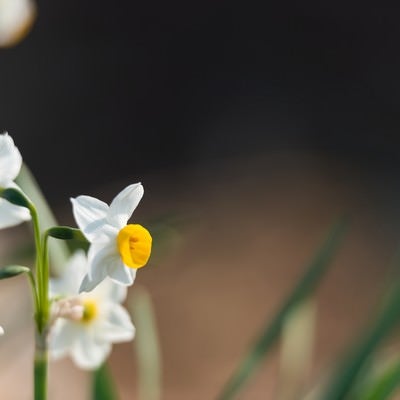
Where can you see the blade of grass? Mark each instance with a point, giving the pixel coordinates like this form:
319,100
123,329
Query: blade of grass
271,332
58,251
385,384
146,346
103,387
349,369
297,345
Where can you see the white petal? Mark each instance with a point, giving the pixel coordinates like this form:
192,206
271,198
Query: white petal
102,258
109,291
10,160
89,284
89,354
117,293
62,337
117,327
122,274
124,204
16,18
1,331
73,273
90,215
11,215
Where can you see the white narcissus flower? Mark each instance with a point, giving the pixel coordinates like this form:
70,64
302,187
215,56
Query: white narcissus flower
16,19
10,165
117,250
85,325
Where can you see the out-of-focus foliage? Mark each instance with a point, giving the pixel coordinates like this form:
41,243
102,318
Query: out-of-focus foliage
272,331
103,387
146,346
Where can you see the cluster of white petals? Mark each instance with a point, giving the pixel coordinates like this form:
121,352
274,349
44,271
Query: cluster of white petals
86,311
10,165
86,324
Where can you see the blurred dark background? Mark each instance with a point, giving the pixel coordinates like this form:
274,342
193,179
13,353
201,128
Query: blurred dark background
100,90
276,116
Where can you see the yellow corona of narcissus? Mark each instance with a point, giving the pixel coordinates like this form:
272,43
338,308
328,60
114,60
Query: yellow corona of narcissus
134,245
117,250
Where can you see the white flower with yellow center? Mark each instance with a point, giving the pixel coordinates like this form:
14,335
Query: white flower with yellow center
85,325
10,165
117,250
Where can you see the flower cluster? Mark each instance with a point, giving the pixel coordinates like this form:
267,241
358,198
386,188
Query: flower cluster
84,315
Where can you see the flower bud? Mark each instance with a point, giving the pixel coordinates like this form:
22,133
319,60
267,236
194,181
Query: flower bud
66,233
12,270
16,197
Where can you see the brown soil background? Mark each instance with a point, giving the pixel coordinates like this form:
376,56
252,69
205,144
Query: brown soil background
247,229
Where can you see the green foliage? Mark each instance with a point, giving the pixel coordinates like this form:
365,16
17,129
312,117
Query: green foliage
349,369
146,346
103,387
59,252
383,384
16,197
13,270
272,331
66,233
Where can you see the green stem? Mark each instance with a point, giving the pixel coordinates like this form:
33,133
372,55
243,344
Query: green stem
40,295
34,289
40,367
45,279
42,309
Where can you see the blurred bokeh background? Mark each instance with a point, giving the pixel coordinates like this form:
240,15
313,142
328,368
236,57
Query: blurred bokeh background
252,126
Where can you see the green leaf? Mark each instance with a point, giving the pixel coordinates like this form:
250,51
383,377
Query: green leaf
13,270
16,197
59,252
66,233
147,347
382,386
103,387
351,366
273,329
296,348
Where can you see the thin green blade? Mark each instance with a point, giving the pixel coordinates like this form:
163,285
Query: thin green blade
384,386
271,332
59,252
103,387
349,369
147,346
